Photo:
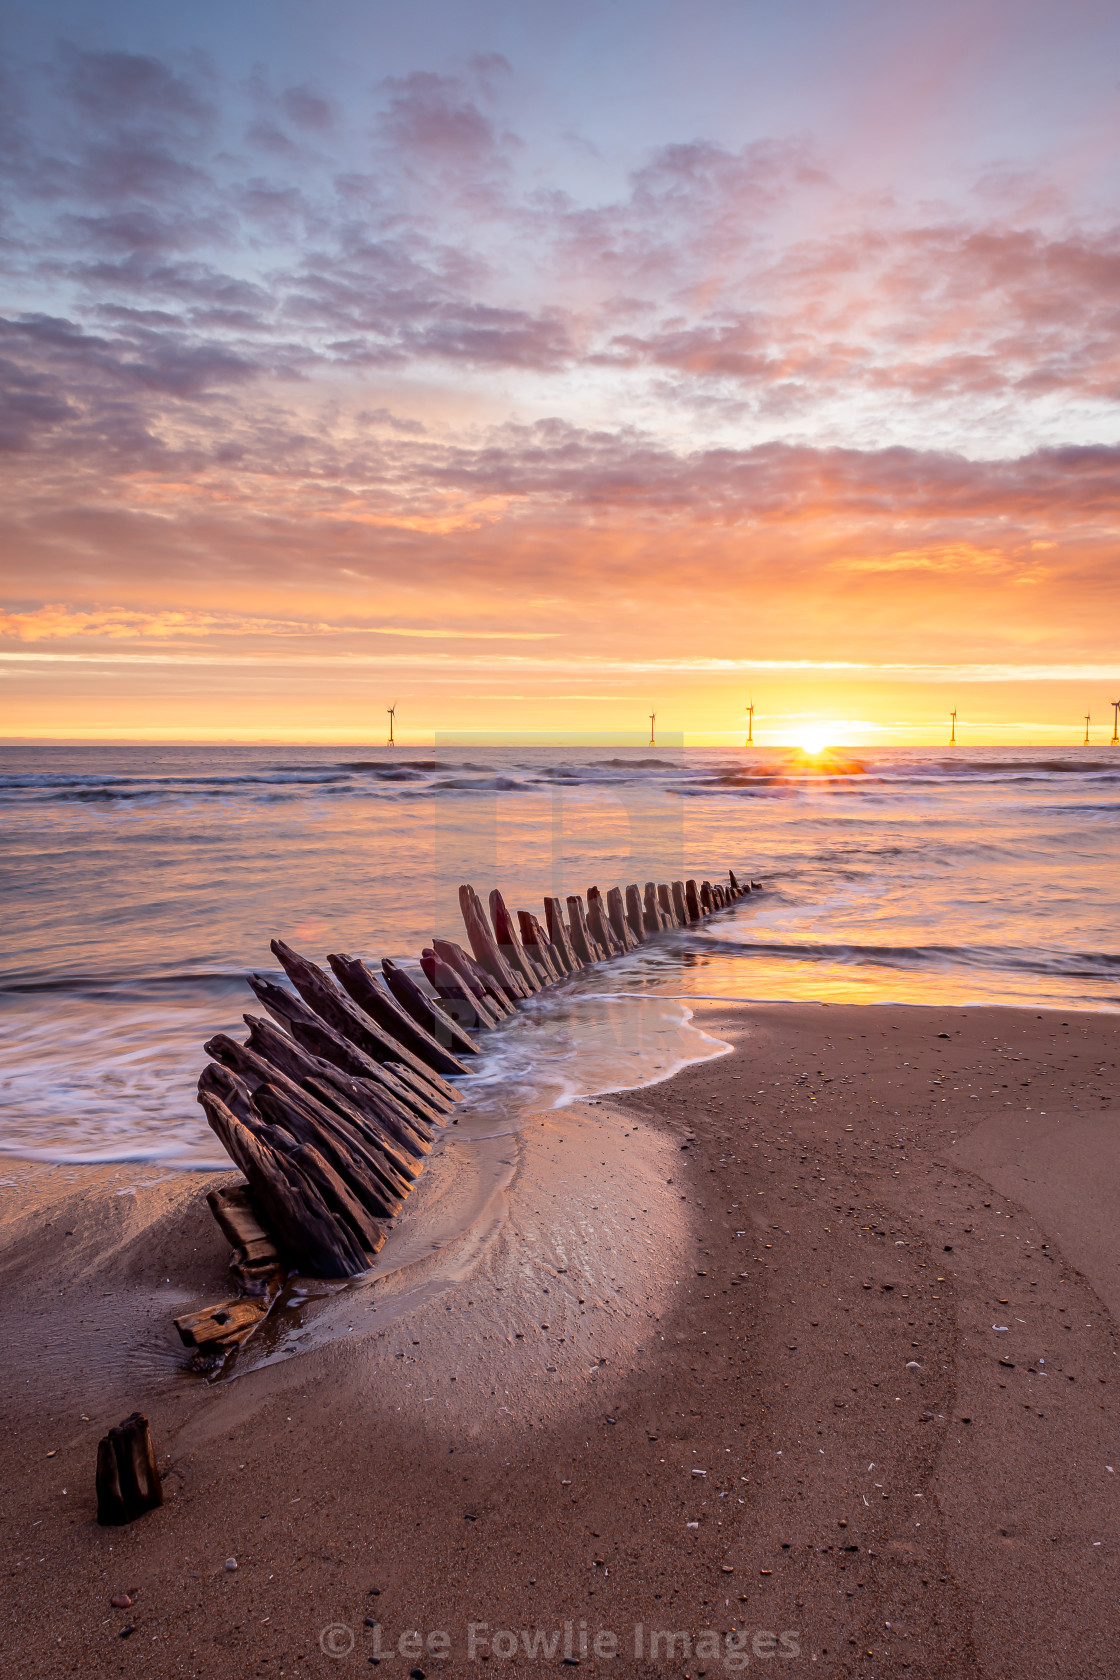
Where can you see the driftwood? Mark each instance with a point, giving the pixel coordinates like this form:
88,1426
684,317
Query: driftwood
379,1096
586,946
469,1009
231,1321
474,977
509,942
635,914
333,1006
559,935
620,925
427,1014
483,943
128,1481
539,949
600,924
383,1005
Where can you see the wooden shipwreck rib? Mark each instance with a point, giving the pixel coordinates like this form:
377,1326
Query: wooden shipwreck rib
331,1107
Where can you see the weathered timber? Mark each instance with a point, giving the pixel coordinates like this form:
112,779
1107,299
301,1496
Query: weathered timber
655,918
426,1011
620,924
474,977
127,1479
469,1009
240,1223
586,946
333,1006
388,1008
376,1096
379,1192
635,914
509,941
559,935
362,1135
680,905
315,1169
225,1084
692,901
599,924
539,949
221,1323
296,1214
707,903
480,937
380,1114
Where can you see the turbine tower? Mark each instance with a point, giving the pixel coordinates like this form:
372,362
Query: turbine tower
1115,742
392,711
1085,742
750,722
652,721
953,734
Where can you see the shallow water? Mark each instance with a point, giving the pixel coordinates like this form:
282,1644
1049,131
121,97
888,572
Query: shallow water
142,884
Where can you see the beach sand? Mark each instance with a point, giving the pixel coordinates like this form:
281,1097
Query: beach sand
719,1359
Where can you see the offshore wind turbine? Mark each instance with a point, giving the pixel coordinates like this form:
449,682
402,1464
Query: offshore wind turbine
750,722
1085,742
1115,704
652,721
953,735
392,711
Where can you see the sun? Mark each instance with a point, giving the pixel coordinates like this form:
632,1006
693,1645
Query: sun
812,742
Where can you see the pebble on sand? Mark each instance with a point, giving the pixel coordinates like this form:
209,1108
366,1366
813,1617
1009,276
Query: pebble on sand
121,1601
231,1564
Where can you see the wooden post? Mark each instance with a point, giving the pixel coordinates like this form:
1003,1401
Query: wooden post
635,914
680,907
692,901
509,941
470,1009
476,978
586,946
128,1481
600,924
480,936
539,948
560,935
620,926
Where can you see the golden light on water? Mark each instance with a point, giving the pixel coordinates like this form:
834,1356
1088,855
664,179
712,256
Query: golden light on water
812,741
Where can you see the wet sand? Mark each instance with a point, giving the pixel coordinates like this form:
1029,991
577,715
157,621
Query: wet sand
784,1268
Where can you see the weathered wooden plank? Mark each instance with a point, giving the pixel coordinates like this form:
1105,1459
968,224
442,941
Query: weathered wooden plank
127,1479
467,1008
599,924
313,1166
509,941
482,941
707,903
620,925
380,1098
635,914
367,1174
333,1006
584,943
389,1011
299,1219
427,1011
680,907
539,949
654,917
692,901
239,1221
559,935
216,1324
474,977
363,1134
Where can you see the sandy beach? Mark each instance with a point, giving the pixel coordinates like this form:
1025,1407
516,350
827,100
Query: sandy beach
802,1361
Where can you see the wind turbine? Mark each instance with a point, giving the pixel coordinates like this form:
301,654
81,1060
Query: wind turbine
1085,742
953,735
392,711
1115,704
652,721
750,722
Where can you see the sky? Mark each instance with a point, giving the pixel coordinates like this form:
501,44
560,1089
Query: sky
529,366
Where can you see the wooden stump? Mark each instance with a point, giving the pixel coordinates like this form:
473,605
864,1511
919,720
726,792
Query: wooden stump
128,1481
586,946
680,907
635,914
620,926
471,1010
559,935
692,901
509,941
474,977
538,947
482,941
599,924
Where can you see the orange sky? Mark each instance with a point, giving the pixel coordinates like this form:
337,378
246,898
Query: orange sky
524,397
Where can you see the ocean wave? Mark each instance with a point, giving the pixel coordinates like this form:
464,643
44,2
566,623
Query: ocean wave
1074,965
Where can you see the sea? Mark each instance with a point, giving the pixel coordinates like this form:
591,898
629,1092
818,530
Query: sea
142,884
